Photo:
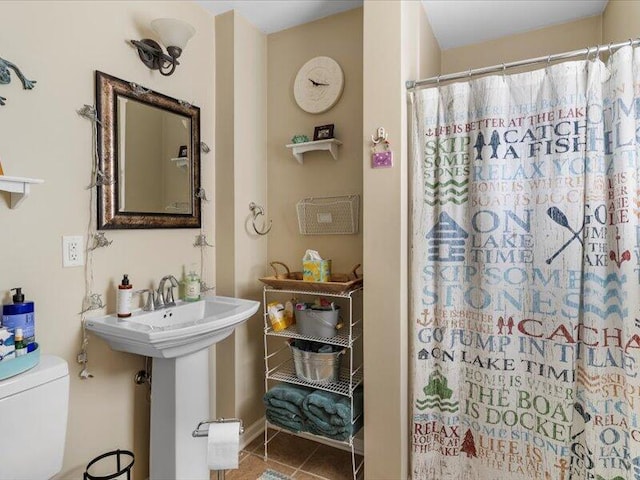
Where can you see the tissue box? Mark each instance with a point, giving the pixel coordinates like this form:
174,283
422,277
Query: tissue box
316,270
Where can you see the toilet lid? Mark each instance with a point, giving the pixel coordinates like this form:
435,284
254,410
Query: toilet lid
48,369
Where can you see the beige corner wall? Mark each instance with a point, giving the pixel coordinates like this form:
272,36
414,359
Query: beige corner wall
537,43
621,21
398,46
241,178
60,44
339,37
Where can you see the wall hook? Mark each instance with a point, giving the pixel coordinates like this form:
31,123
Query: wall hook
381,136
257,210
201,241
99,240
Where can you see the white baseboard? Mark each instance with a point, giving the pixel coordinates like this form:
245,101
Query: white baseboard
257,428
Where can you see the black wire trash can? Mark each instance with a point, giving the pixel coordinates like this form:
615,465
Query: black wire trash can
102,462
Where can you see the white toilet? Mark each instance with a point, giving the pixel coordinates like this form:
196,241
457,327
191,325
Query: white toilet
33,409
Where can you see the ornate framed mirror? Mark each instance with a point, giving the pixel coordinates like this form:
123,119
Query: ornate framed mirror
149,155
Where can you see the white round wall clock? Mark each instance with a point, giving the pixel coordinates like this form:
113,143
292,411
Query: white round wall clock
318,85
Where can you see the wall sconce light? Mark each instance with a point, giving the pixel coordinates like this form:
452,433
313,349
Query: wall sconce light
174,34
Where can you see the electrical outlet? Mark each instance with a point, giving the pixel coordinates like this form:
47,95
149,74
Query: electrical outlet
72,251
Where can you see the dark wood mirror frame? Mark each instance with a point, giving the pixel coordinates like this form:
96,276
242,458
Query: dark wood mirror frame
108,89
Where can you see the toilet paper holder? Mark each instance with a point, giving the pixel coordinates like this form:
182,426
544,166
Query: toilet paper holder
204,432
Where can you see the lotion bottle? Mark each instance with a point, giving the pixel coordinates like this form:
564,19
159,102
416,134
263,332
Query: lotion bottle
20,314
125,290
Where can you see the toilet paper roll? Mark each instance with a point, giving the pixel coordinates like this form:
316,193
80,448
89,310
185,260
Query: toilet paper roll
223,445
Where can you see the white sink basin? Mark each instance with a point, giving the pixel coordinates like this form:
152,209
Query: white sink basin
174,331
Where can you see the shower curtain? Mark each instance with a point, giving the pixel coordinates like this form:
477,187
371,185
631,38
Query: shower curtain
525,268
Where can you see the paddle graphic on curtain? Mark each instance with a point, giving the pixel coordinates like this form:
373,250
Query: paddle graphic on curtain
525,275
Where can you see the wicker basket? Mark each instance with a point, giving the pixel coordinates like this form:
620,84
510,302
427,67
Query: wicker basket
339,282
287,275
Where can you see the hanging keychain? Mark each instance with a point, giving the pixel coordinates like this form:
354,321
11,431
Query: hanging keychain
383,159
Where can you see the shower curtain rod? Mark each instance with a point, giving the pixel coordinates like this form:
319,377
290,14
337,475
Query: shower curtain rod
413,84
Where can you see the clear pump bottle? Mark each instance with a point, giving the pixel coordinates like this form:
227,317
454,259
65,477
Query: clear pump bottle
192,286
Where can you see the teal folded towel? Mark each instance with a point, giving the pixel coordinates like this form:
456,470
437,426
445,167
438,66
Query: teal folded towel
286,397
283,404
330,414
290,421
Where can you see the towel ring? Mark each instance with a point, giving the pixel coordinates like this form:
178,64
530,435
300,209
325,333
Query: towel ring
257,210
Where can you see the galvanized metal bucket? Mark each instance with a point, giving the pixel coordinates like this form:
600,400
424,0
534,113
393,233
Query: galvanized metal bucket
317,367
318,323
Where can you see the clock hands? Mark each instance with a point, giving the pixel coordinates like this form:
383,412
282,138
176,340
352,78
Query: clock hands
317,84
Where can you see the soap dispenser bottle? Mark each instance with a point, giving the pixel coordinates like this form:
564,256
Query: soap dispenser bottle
125,291
192,286
20,314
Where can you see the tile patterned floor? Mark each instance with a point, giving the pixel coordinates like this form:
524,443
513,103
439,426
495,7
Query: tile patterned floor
300,458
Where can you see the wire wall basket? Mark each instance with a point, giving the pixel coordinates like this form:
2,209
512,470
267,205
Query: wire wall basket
329,215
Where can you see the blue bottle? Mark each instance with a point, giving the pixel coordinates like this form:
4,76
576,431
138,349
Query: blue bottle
20,314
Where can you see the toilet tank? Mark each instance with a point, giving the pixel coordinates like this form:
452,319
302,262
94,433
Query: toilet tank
33,408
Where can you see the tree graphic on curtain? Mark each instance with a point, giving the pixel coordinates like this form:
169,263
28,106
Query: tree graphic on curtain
469,444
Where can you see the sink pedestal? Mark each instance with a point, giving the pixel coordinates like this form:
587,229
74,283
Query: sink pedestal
179,401
177,338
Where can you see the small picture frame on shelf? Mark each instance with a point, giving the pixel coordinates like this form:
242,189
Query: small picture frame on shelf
182,152
323,132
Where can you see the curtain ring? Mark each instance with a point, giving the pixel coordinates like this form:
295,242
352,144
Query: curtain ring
469,73
548,60
257,210
610,52
631,42
438,81
588,52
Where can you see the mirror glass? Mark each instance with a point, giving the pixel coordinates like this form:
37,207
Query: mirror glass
149,150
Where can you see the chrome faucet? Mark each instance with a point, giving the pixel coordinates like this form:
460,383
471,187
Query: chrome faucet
150,304
167,300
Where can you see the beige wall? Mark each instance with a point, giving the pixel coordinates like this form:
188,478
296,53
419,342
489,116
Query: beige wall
537,43
621,21
339,37
60,44
241,178
398,46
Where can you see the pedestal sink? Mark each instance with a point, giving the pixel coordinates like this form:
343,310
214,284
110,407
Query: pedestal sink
177,338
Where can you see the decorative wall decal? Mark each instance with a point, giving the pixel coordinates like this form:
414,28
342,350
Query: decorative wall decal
5,77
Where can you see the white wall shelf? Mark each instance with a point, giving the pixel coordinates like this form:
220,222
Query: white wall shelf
299,149
19,187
